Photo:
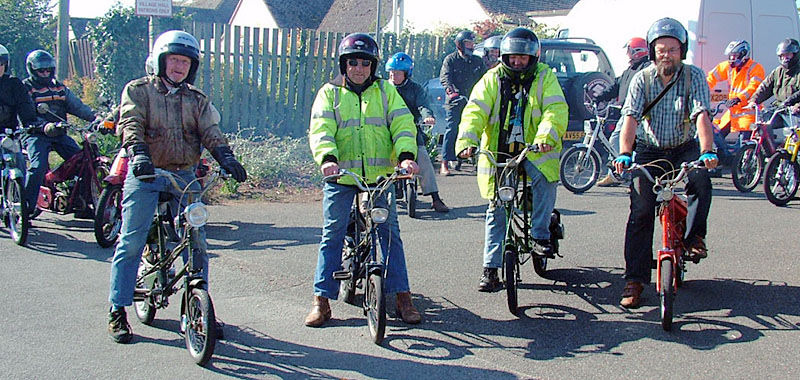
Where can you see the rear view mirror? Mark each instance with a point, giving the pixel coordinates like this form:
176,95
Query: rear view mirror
42,108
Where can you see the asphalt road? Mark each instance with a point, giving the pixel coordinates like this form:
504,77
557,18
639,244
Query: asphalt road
738,315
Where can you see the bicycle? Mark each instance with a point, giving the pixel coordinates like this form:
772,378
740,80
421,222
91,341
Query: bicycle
672,257
579,167
12,183
748,164
518,245
782,173
157,278
361,266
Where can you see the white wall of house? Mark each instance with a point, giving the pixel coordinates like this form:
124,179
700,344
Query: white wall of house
422,15
253,13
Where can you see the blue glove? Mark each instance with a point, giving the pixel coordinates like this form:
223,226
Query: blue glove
708,156
624,159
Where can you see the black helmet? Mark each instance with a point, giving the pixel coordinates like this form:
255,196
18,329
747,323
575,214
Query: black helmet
180,43
789,45
464,35
40,59
358,45
520,41
667,27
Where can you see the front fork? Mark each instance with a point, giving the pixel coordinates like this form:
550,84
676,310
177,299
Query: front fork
663,255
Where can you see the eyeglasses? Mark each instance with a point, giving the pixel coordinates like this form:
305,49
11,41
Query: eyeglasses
44,70
354,62
670,51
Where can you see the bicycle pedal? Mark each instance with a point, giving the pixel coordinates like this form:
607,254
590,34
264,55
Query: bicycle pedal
341,275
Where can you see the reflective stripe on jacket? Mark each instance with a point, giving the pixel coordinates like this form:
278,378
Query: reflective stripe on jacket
743,84
366,134
545,121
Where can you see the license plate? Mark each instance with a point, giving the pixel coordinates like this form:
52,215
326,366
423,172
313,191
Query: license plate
574,135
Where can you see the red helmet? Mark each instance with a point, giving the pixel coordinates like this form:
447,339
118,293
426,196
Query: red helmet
637,48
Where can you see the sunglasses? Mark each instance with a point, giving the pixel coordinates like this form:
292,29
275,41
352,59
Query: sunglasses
45,70
354,62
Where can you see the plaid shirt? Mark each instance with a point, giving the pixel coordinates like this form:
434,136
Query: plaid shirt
665,129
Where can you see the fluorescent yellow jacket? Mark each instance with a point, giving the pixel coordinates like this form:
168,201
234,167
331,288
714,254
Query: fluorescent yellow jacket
545,121
743,83
365,134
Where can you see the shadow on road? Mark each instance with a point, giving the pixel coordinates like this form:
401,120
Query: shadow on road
245,236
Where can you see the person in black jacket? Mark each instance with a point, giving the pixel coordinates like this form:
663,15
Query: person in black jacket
460,71
15,104
400,66
637,51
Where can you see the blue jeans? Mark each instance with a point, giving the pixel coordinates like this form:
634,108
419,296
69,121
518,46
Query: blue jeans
39,147
336,204
139,202
544,201
453,118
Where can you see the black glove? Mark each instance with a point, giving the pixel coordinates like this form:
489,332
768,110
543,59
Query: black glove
54,129
224,156
141,164
732,102
605,96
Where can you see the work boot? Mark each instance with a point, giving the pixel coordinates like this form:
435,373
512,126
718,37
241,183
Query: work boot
406,310
543,247
489,281
118,328
320,312
439,206
609,180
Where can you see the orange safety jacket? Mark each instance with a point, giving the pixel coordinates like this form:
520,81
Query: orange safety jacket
743,83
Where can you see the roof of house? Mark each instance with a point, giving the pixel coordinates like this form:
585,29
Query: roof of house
355,16
80,26
519,10
219,11
298,14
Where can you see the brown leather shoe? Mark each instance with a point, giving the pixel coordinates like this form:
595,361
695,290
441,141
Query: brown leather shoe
698,250
320,313
408,313
631,295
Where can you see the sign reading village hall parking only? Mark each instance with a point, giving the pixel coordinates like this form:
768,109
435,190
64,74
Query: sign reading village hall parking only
157,8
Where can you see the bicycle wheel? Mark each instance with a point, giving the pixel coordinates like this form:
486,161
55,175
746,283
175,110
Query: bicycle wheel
16,217
579,169
376,307
511,278
781,178
201,325
411,198
146,308
667,293
108,216
347,287
747,168
101,172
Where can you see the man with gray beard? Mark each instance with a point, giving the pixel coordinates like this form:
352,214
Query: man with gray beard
666,107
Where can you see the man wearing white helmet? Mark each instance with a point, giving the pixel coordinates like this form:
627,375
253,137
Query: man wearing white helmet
165,122
15,104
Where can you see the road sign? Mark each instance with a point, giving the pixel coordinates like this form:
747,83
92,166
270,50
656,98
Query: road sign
157,8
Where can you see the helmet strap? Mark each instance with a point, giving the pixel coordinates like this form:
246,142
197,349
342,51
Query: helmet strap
172,82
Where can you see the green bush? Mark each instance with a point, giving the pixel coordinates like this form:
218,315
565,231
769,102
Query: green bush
273,161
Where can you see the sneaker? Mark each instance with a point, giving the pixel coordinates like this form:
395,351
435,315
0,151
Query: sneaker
543,247
118,328
489,281
609,180
439,206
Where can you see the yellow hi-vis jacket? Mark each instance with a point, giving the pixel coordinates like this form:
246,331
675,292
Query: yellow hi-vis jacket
366,134
545,121
743,83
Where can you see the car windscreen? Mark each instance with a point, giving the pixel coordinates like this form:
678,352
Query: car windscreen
567,63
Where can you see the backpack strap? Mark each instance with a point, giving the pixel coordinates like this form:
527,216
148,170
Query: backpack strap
687,124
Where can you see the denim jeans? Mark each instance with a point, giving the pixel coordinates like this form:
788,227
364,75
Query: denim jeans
544,201
139,202
641,221
39,147
453,118
336,204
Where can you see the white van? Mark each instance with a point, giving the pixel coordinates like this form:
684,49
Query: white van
711,24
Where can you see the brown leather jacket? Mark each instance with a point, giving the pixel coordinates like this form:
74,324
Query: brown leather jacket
174,126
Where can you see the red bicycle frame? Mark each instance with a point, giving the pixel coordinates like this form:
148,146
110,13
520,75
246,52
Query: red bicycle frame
673,224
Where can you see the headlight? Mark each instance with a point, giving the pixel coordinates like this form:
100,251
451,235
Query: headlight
91,138
379,214
196,214
506,193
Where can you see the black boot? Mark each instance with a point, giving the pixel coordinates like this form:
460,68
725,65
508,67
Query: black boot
489,281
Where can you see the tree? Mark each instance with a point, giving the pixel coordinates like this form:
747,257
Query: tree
26,26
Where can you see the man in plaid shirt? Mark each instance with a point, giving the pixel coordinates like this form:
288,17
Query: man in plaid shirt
667,132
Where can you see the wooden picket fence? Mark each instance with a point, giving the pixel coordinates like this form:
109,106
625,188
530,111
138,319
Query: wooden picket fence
263,81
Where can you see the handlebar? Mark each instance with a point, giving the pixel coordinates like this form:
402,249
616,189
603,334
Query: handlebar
513,161
173,179
382,184
663,181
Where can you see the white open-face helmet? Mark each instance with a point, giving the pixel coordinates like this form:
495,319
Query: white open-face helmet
176,42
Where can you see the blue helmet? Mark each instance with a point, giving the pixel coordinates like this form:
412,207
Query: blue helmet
401,62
